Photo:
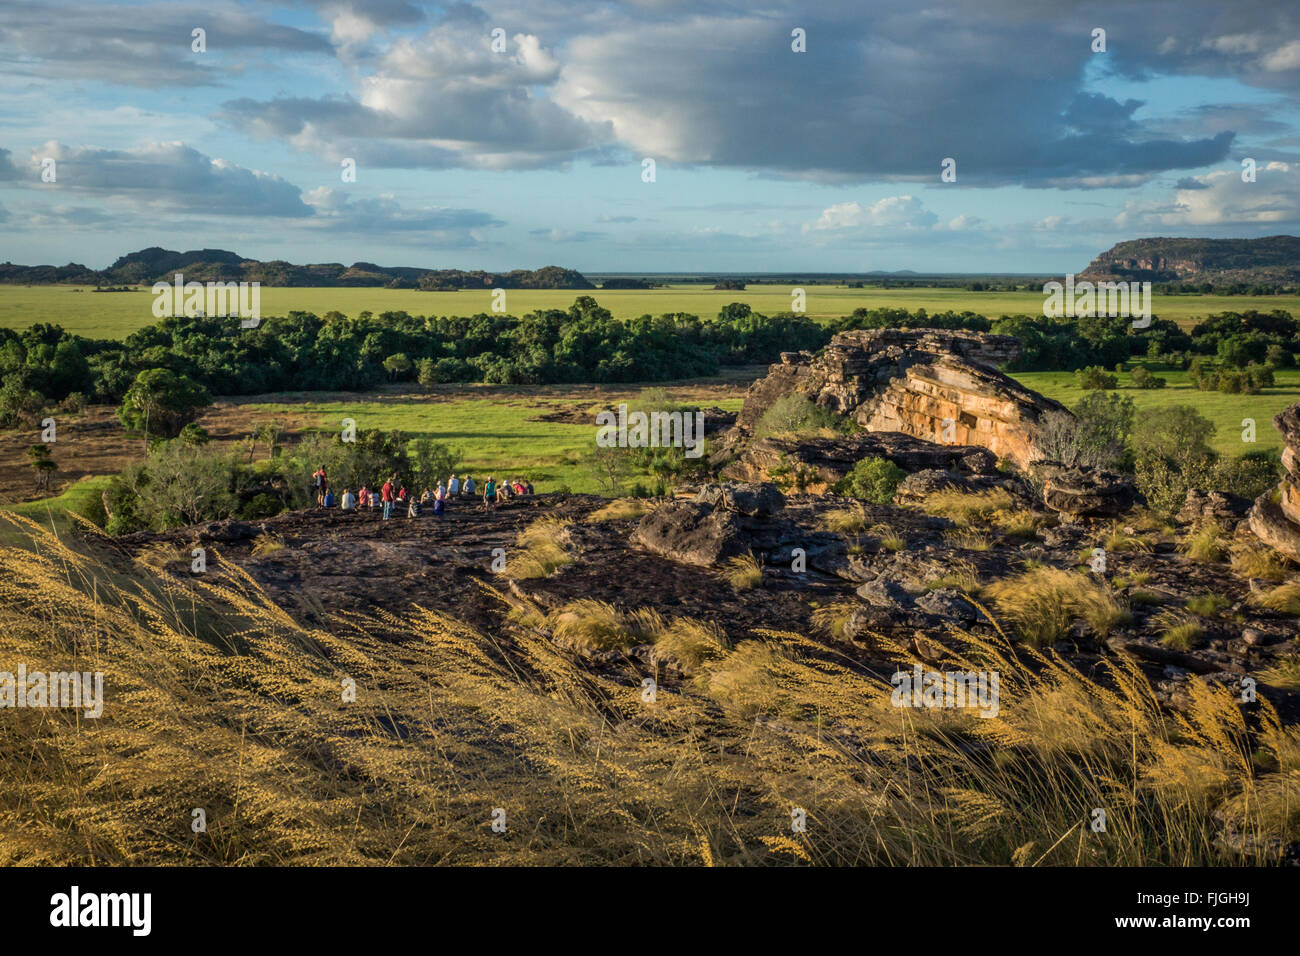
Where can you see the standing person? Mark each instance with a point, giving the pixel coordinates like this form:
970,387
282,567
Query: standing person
490,494
321,484
453,487
387,494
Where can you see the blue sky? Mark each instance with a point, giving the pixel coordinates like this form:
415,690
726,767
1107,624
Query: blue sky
531,154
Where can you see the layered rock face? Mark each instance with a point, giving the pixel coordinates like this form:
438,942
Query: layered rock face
1277,523
936,385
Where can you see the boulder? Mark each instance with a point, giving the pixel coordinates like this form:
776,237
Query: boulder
754,499
691,533
1085,492
1213,507
948,603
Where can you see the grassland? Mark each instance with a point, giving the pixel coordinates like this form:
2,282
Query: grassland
1225,411
118,314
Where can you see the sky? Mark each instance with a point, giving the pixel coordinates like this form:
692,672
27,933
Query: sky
782,137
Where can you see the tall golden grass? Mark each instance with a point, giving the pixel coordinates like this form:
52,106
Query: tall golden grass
218,699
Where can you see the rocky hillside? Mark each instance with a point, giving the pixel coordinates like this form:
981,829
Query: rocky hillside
219,265
1220,261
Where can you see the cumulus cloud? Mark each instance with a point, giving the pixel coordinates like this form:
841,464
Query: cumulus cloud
1221,198
172,176
7,168
893,212
444,98
435,225
126,44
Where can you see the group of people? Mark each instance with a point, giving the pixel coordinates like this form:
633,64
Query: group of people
393,495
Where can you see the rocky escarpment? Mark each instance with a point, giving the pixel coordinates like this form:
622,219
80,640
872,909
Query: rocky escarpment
1275,518
936,385
1272,258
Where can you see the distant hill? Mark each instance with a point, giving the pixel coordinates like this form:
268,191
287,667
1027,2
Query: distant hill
218,265
1219,261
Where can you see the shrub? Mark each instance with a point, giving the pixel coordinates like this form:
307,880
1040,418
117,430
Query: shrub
1094,376
872,479
795,415
1142,378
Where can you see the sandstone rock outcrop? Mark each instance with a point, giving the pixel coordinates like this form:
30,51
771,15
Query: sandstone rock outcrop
937,385
824,461
1277,523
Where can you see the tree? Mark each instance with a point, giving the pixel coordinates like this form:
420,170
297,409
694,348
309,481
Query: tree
397,365
434,461
44,466
161,403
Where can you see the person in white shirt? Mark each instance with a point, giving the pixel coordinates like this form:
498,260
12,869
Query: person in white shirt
453,486
349,502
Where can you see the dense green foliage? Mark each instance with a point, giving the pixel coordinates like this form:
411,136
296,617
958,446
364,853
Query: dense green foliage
872,479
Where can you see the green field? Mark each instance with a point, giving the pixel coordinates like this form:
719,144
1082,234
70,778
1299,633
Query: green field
496,436
1226,411
117,314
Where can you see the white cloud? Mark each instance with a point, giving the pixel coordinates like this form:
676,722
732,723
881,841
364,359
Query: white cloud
893,212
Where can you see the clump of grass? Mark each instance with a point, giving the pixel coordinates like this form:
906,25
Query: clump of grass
850,520
889,539
1284,673
746,679
1205,543
1018,522
968,539
1142,598
744,572
620,509
967,507
1207,605
1042,603
267,543
542,548
1117,539
961,575
834,617
591,625
692,643
1258,561
1285,598
1179,631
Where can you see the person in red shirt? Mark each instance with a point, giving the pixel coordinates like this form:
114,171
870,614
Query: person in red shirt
387,494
